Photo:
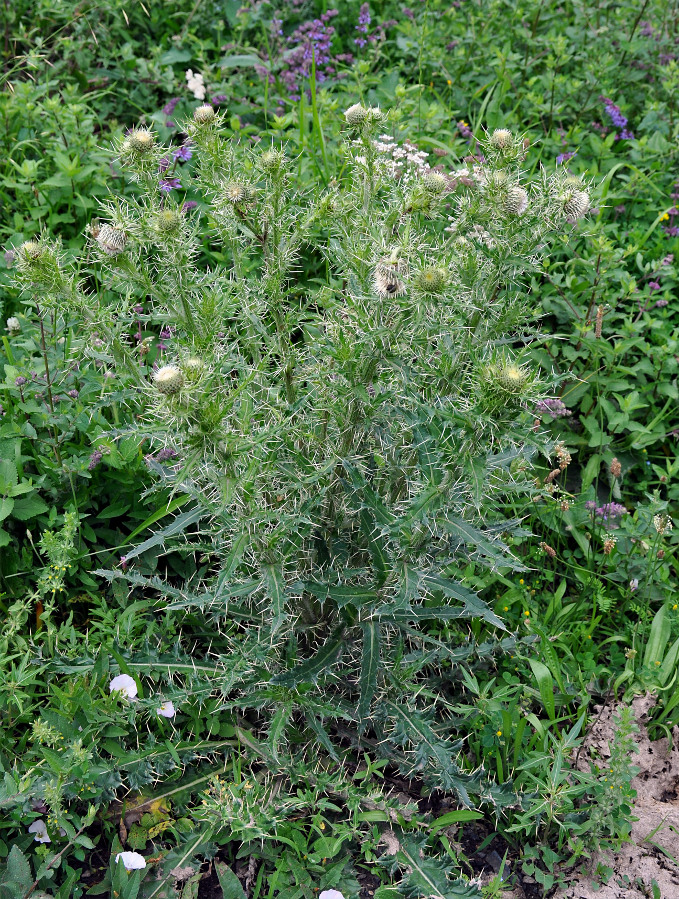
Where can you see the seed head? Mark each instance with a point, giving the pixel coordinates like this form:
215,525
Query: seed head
168,380
501,139
662,523
576,204
434,182
609,545
111,240
169,220
431,279
13,326
140,141
615,468
516,201
356,114
548,550
388,284
204,115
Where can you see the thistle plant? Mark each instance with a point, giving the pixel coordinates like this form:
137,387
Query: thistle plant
345,398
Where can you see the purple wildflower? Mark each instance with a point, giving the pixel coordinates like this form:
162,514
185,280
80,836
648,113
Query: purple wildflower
190,204
618,120
554,407
73,394
660,303
610,512
164,164
310,42
363,22
590,505
183,153
138,309
166,454
95,459
464,129
20,381
218,99
168,184
565,157
9,258
123,563
408,13
653,285
170,106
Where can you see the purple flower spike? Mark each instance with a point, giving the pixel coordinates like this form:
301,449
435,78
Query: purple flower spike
168,184
183,153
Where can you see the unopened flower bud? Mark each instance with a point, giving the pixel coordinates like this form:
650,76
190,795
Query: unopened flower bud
431,279
271,161
576,205
13,326
169,220
168,380
111,240
501,139
516,201
512,378
192,367
203,115
434,182
356,114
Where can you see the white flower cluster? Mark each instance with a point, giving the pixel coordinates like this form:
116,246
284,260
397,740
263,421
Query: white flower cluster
406,161
196,84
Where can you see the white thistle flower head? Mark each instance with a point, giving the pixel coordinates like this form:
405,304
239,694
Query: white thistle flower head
434,182
576,205
166,710
111,240
39,828
236,192
501,139
356,114
125,685
196,84
13,325
132,861
516,201
203,115
30,252
140,140
511,377
168,380
272,161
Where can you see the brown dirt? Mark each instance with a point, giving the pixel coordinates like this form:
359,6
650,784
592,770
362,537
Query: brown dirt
656,808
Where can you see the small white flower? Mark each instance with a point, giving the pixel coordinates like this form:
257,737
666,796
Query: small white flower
195,83
39,828
124,684
166,710
330,894
13,325
634,584
133,861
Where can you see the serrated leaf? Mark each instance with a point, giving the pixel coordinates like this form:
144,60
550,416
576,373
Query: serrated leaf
496,551
178,526
370,664
277,727
276,590
19,869
311,668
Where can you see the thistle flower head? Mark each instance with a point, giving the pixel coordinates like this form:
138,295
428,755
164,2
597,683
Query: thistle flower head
431,279
111,240
434,182
576,204
497,180
516,201
511,378
272,161
501,139
30,252
237,192
140,141
169,220
168,380
204,115
356,114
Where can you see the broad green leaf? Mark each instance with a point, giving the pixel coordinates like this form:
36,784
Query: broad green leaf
657,639
545,684
230,884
